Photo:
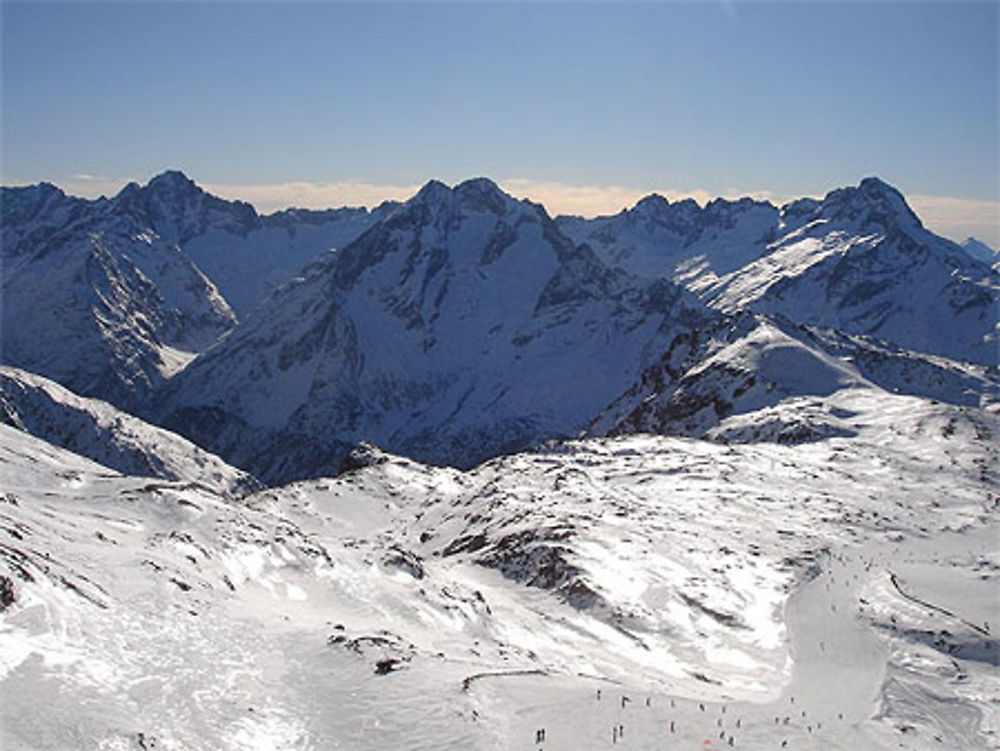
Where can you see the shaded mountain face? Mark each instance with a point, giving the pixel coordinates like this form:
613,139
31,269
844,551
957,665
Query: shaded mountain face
111,297
463,325
859,261
247,255
95,299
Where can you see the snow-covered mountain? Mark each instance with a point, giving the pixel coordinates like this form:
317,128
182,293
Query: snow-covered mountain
465,324
96,300
461,326
110,437
837,594
247,255
679,240
859,261
111,297
777,531
753,378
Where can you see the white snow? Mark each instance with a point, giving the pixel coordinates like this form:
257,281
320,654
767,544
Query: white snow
754,580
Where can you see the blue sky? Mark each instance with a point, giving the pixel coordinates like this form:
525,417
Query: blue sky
305,103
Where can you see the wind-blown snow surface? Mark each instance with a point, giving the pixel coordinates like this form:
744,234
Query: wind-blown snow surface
834,594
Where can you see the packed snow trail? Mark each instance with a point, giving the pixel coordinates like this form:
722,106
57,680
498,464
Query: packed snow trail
833,700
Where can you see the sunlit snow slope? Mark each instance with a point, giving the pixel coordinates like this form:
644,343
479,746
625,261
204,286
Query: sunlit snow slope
835,594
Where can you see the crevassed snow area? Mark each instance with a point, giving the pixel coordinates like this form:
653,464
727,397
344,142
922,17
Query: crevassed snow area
640,592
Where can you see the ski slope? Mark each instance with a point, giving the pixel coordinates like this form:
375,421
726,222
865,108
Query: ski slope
834,594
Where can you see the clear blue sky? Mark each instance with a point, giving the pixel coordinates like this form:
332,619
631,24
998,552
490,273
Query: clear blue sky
794,98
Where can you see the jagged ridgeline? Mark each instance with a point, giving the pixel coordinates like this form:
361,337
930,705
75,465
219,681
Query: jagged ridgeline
465,324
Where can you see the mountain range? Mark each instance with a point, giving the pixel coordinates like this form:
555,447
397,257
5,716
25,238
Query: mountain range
463,323
455,473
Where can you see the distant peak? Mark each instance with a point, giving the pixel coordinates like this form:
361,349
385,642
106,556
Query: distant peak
980,250
976,242
433,189
744,203
872,200
172,179
478,184
877,186
42,189
479,193
652,202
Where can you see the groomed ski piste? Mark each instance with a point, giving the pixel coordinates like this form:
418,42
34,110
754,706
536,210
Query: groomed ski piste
638,592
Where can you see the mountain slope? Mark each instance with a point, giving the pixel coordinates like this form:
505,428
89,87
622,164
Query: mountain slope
657,238
751,377
864,264
247,255
110,297
96,301
112,438
859,261
681,589
457,328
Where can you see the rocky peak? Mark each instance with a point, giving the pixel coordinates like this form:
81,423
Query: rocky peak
652,204
872,202
178,209
483,194
173,182
655,212
725,208
21,204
